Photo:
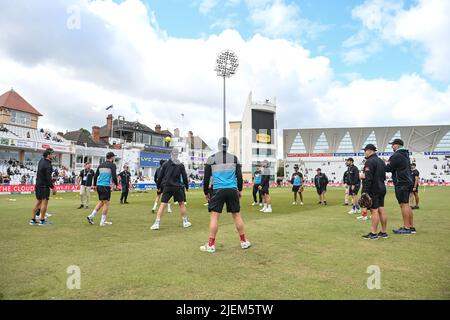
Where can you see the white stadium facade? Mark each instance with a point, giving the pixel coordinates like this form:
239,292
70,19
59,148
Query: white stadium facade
327,148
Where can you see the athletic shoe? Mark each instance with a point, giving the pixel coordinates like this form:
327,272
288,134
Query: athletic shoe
126,202
351,212
169,210
370,236
263,209
207,248
186,224
43,223
254,204
320,202
155,226
245,244
206,204
81,206
294,203
268,210
325,203
413,230
90,220
402,230
383,235
48,215
363,218
301,203
176,202
106,223
33,222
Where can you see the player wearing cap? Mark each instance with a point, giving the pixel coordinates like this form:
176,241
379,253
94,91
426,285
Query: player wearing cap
321,182
257,176
415,190
85,179
124,179
374,187
399,165
226,171
169,181
159,191
42,189
297,181
264,188
105,175
354,183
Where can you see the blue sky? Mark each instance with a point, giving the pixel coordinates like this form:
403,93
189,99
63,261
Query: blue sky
183,19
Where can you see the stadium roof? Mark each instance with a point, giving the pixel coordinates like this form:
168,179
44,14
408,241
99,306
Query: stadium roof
297,142
13,100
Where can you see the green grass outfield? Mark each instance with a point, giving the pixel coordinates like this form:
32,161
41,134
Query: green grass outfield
309,252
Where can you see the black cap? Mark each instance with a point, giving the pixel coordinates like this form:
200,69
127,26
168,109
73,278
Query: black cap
318,169
413,164
109,155
350,159
47,152
397,141
370,147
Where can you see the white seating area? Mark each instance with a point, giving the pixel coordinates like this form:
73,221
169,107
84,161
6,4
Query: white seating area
16,132
16,173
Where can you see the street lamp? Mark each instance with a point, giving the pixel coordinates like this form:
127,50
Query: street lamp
227,63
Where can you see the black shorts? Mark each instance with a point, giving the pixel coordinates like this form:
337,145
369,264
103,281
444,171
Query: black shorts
175,192
321,190
355,191
104,193
296,188
222,196
377,200
402,193
265,190
42,193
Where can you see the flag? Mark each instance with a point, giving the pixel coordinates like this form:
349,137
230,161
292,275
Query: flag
110,107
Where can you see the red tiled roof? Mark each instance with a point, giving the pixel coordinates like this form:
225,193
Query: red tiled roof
13,100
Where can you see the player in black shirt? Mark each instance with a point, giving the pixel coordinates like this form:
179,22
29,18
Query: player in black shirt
85,180
159,191
354,183
124,180
169,181
373,185
415,190
321,182
264,187
43,185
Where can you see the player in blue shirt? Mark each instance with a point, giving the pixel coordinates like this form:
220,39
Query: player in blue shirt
297,185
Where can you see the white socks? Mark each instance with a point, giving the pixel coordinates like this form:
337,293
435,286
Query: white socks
168,207
155,205
103,220
92,215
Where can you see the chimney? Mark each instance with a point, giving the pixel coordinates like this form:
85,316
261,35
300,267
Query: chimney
109,121
190,134
96,133
158,128
176,133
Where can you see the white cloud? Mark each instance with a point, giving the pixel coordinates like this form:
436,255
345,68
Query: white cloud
120,57
279,19
207,5
425,23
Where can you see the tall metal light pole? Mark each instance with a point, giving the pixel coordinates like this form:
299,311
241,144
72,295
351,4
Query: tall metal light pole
227,63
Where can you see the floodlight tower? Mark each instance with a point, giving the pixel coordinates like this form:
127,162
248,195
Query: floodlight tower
227,63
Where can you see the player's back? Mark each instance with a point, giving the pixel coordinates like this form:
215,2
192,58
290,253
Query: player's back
225,170
106,171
